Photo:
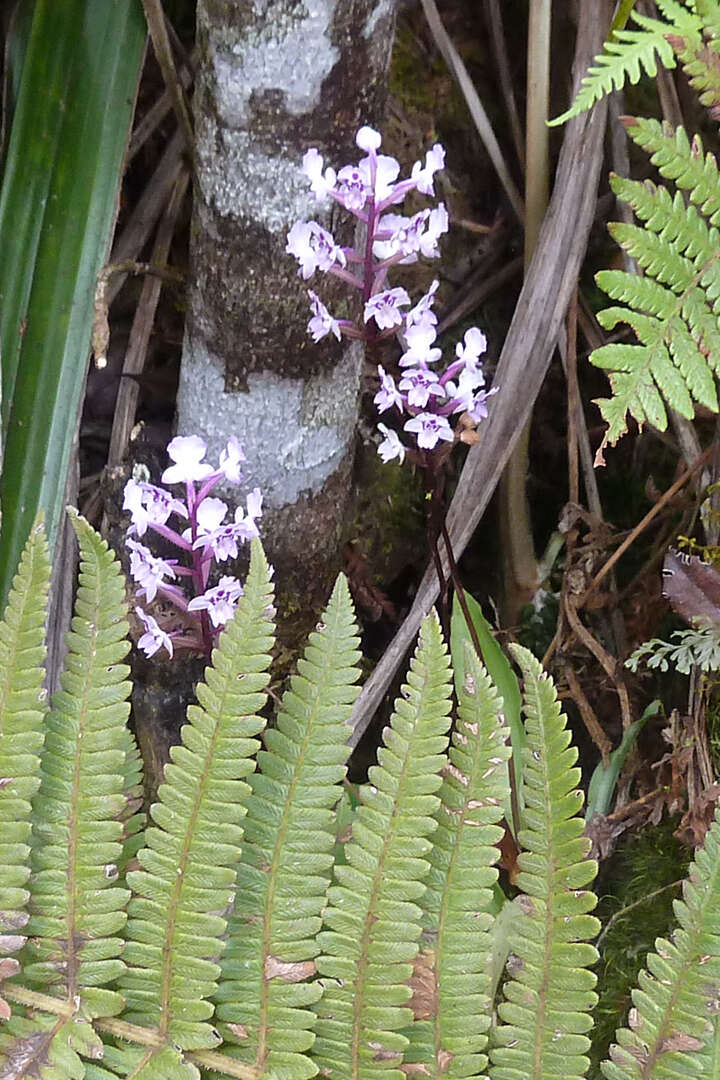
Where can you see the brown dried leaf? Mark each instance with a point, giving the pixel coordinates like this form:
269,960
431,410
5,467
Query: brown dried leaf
443,1059
383,1054
680,1042
423,983
239,1031
10,943
292,972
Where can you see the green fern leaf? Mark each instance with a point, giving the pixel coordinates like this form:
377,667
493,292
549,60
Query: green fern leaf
76,910
626,55
287,855
675,1005
674,311
373,917
451,983
549,994
679,159
175,930
22,715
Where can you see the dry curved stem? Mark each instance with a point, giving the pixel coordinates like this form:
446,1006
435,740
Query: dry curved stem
608,663
529,345
163,53
642,525
589,718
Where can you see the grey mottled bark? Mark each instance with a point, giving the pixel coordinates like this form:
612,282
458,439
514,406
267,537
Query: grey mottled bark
275,78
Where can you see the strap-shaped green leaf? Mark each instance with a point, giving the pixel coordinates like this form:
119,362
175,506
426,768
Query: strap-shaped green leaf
58,201
22,715
549,994
176,928
76,910
451,981
675,1007
373,917
264,992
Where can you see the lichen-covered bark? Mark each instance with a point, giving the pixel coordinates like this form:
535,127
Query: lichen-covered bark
277,77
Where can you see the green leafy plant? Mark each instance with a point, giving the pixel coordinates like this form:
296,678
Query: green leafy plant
673,306
227,933
73,70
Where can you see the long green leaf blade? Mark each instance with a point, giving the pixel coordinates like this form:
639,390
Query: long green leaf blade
57,205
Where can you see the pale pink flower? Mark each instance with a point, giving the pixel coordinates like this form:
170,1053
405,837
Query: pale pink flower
187,451
148,571
390,447
154,638
230,460
219,602
429,429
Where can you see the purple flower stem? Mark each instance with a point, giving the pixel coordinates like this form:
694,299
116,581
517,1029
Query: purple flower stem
345,275
170,534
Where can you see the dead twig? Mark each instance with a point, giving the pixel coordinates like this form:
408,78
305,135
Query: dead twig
642,525
608,663
163,53
589,718
143,321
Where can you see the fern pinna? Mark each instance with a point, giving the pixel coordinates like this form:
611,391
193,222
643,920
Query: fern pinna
672,305
221,938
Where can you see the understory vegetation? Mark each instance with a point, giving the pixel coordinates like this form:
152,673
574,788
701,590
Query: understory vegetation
469,828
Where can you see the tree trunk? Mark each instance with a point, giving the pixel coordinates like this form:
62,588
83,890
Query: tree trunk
275,79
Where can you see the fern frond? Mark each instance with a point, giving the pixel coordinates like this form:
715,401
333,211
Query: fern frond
283,877
630,52
451,983
674,311
549,994
22,715
674,1008
373,917
175,929
76,910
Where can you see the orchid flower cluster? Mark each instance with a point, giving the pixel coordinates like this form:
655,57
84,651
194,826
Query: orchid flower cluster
369,190
208,538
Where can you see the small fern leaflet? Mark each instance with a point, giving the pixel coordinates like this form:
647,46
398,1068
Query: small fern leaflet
287,856
549,994
630,52
373,917
22,715
175,929
451,979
